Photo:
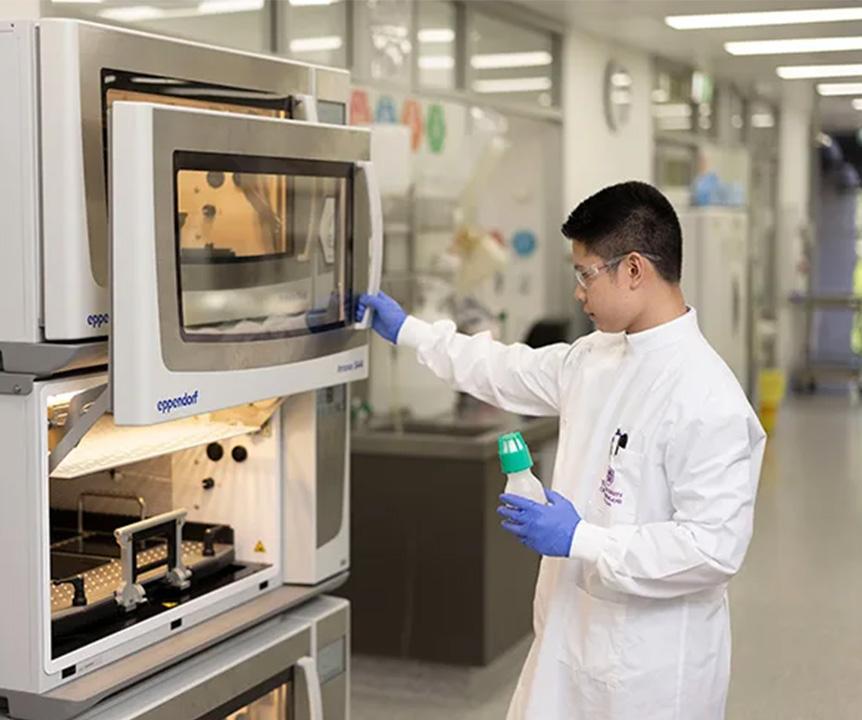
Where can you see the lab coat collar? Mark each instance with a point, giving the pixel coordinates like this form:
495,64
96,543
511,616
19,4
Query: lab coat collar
662,335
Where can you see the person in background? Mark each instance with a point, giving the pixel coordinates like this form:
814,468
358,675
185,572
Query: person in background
652,502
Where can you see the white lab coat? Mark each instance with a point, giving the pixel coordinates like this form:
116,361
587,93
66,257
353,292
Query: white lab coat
634,625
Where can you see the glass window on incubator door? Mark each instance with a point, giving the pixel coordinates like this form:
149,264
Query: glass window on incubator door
318,202
275,705
262,247
118,85
327,230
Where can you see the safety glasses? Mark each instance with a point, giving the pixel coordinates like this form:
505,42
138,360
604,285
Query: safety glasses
585,275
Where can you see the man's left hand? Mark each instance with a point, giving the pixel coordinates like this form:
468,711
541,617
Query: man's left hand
547,529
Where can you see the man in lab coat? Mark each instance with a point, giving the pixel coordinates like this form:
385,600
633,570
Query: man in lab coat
654,483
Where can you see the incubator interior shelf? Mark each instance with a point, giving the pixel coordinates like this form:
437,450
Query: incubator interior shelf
101,580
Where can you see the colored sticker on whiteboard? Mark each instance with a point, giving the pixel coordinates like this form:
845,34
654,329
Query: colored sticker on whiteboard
524,242
435,128
386,110
411,116
360,108
259,547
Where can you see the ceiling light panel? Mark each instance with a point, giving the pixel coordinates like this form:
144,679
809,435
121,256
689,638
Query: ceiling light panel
219,7
315,44
497,61
132,13
436,35
809,72
833,89
512,85
763,19
797,45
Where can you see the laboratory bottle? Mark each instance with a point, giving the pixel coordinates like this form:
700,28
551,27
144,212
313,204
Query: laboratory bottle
516,462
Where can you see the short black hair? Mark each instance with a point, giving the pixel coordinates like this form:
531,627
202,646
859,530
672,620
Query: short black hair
630,217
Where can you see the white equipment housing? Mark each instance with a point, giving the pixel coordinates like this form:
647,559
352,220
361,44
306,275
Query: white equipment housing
715,281
187,229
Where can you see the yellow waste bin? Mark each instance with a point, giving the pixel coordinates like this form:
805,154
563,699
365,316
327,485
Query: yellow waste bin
771,386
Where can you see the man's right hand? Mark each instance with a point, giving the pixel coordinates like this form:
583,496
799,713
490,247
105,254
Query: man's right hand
388,315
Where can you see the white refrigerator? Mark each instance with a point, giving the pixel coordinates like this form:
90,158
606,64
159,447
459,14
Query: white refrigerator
715,280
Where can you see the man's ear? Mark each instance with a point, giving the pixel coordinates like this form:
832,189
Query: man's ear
635,270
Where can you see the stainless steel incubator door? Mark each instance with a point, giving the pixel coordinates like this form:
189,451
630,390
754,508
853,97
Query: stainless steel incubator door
293,667
83,69
239,244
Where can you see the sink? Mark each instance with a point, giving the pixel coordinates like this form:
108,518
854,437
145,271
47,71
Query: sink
435,428
466,436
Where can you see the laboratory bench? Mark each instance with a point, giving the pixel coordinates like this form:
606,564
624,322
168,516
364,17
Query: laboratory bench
433,575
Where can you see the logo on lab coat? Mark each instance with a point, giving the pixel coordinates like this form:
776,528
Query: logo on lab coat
609,494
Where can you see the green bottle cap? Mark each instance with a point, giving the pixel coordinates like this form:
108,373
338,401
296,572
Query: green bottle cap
514,453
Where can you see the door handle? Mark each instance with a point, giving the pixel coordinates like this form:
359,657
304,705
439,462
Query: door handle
307,671
375,251
169,525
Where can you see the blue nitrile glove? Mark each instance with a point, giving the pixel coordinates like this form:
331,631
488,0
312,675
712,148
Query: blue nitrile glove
547,529
388,314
